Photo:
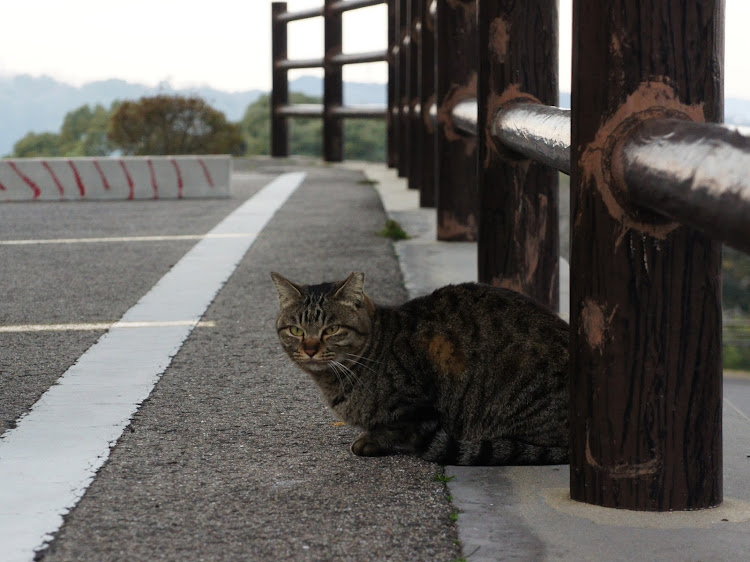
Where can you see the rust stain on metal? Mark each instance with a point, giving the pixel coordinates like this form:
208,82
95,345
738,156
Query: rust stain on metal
456,94
495,102
499,39
533,225
601,162
449,228
595,324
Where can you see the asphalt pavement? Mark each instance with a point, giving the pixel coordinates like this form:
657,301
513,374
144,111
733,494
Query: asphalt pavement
233,456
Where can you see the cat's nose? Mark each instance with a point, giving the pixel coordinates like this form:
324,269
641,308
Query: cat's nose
310,346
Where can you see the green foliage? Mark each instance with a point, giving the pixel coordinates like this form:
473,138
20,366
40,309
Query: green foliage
394,231
305,134
83,133
173,125
364,139
736,336
736,300
442,477
736,277
33,144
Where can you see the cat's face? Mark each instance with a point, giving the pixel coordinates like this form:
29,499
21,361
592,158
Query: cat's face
322,325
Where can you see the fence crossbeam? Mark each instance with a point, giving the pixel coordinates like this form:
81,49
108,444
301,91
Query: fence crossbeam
345,5
465,116
359,58
540,132
696,173
299,15
289,64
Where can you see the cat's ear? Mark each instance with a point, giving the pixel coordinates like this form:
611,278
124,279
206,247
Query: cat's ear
288,291
352,291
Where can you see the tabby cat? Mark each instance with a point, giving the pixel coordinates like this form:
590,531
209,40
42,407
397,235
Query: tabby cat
470,375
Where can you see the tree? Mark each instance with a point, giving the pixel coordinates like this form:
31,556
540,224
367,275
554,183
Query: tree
173,125
305,135
84,131
37,144
364,138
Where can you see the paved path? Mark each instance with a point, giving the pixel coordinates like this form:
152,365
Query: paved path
233,455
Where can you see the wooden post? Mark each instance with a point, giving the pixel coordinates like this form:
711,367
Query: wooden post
456,72
333,90
646,368
280,83
403,89
391,121
518,244
426,55
415,125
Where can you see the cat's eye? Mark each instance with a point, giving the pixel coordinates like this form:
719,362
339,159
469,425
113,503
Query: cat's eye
330,330
296,331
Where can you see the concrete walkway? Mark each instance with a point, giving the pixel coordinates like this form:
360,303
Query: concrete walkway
525,513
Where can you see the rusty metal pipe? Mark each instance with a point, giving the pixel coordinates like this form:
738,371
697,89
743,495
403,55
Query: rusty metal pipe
465,116
540,132
695,173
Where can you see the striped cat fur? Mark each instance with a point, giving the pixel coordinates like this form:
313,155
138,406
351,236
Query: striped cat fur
470,374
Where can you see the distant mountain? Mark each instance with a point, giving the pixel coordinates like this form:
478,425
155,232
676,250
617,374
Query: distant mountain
39,104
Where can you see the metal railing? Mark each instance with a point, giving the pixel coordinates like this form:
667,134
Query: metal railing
332,109
656,185
695,173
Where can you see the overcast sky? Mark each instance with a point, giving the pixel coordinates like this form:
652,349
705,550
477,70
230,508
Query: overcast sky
226,43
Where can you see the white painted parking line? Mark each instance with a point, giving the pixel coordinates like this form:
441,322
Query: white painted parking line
97,326
165,238
49,459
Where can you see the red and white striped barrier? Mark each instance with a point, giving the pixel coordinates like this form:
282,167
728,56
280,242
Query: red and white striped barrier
133,177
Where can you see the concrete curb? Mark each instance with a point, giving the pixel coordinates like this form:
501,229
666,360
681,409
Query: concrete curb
133,177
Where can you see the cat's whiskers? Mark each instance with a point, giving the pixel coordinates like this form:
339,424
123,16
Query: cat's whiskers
353,378
362,357
356,360
336,371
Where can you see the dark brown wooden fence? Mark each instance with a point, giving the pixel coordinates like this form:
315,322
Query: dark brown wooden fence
332,109
656,185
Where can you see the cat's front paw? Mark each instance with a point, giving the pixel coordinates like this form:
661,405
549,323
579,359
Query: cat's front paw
364,446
